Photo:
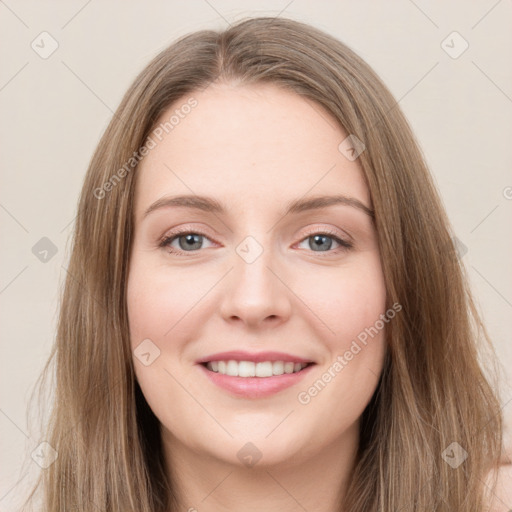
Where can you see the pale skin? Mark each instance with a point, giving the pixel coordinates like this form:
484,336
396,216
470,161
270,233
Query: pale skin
254,149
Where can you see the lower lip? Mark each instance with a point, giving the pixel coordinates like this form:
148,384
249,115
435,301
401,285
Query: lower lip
255,387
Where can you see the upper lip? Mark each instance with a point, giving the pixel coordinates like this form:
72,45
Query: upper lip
240,355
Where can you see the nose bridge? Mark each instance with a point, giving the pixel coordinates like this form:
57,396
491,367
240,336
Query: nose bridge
253,262
253,291
254,257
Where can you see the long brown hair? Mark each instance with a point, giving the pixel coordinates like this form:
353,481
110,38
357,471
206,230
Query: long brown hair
433,391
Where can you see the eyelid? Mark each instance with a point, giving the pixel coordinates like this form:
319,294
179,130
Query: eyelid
343,239
310,231
343,235
185,229
173,234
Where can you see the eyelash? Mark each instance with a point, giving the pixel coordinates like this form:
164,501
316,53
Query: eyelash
344,244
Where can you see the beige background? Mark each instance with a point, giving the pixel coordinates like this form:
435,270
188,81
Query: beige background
55,109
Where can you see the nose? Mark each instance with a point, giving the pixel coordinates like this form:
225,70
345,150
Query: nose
255,291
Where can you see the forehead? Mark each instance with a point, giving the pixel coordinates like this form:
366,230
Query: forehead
247,144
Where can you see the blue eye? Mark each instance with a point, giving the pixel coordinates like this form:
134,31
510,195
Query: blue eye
192,242
188,241
324,242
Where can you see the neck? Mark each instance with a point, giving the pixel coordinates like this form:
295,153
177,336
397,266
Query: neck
313,481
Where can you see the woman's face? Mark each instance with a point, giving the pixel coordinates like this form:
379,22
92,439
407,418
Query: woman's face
259,270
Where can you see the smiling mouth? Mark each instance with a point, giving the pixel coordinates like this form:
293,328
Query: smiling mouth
262,369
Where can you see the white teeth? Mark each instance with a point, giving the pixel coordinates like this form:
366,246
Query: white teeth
251,369
288,367
264,369
246,369
232,368
277,368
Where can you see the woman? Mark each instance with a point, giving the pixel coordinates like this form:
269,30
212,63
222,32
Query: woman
211,355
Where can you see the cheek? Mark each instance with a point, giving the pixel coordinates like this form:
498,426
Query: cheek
345,301
350,303
157,301
155,305
339,303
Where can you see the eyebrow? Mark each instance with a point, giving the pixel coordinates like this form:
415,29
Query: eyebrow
208,204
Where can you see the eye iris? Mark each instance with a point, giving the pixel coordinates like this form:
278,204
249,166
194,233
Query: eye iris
191,240
321,239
